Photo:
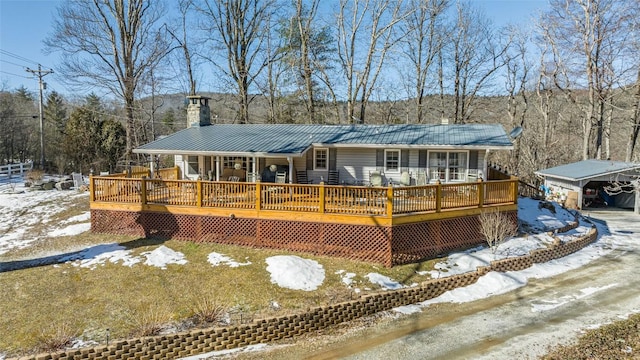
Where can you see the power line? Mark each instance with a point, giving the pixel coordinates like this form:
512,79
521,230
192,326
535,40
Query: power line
22,76
16,56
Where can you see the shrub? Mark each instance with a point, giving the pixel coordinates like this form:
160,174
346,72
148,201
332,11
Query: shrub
207,310
150,321
496,227
57,337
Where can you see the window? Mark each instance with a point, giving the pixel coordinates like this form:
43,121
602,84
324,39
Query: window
457,166
438,166
392,160
192,165
448,166
320,159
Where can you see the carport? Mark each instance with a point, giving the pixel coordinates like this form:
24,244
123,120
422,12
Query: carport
581,184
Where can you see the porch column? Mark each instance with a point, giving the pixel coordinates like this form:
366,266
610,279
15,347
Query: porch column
485,165
152,166
289,160
217,168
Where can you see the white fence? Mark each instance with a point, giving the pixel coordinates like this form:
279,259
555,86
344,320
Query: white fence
6,171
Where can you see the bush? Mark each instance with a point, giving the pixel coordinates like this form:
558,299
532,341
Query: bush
207,310
150,322
496,227
56,337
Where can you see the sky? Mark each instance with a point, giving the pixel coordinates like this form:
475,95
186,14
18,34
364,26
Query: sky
24,24
21,209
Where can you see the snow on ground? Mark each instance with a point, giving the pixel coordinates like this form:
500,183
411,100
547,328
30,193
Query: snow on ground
293,272
162,256
540,218
384,281
216,259
20,211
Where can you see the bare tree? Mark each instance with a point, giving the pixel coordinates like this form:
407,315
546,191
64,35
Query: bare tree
586,38
475,58
181,34
109,44
634,14
365,36
517,75
237,28
425,36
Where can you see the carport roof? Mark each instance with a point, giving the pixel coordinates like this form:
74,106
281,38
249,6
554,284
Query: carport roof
588,169
292,139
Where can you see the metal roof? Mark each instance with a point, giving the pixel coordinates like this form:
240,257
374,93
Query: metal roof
587,169
291,139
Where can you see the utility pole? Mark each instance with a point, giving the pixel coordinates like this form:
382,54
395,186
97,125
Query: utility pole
40,74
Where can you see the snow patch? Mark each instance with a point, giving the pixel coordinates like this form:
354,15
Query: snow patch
296,273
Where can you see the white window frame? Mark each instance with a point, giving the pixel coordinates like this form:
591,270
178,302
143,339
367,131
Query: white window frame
188,163
464,168
326,158
386,160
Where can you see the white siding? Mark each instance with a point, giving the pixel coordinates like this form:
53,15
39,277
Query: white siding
355,164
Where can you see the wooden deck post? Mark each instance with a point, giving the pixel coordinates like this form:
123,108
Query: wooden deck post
480,186
514,188
322,196
143,190
92,194
438,196
390,202
258,195
199,192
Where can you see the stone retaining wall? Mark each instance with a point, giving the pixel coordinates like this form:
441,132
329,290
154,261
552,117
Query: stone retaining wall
266,330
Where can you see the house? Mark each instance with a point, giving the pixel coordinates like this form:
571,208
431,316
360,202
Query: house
390,194
582,184
343,154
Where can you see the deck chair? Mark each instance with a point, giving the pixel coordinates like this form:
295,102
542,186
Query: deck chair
333,178
281,178
78,181
405,178
252,177
375,178
301,177
421,178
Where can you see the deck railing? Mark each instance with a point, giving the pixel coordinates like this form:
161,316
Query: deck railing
324,199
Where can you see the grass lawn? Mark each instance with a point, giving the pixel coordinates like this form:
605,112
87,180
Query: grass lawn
43,305
618,340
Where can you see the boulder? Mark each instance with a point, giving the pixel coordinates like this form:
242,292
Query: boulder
64,185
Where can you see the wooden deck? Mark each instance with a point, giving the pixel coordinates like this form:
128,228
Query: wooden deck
334,203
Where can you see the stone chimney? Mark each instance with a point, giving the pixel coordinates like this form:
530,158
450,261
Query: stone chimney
198,113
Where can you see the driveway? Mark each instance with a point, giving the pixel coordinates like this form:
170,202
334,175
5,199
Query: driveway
521,324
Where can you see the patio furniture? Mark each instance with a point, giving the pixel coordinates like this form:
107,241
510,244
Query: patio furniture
281,178
301,177
253,177
405,178
233,178
375,178
333,177
421,178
